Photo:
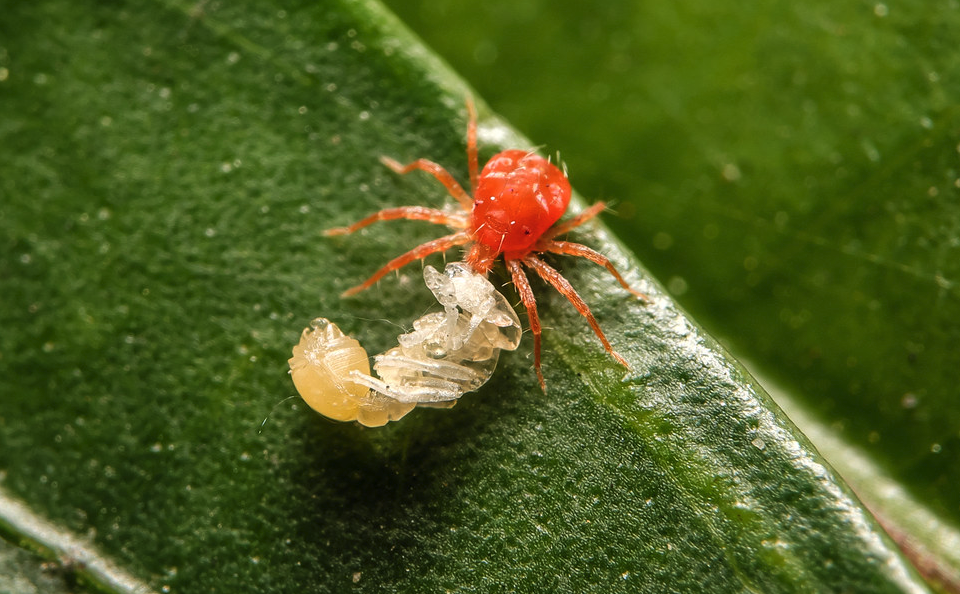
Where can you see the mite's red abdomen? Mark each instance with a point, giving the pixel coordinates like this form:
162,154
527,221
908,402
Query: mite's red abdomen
519,196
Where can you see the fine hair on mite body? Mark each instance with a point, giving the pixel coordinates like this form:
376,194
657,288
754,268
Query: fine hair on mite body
514,209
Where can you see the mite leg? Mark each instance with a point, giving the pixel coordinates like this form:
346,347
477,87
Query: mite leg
576,249
421,251
575,222
413,213
437,171
530,304
566,289
472,160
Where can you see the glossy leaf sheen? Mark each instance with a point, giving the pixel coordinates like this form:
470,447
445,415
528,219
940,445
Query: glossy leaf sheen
167,171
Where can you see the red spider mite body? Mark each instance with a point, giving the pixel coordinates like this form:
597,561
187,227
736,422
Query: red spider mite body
518,197
516,202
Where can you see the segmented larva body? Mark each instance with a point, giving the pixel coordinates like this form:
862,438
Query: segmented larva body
321,368
446,355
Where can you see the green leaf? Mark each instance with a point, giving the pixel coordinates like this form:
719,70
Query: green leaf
167,171
790,171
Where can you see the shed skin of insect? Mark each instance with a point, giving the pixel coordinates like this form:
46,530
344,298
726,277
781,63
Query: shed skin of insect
516,202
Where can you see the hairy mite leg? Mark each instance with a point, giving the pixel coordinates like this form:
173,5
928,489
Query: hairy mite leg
437,171
481,257
413,213
566,289
530,304
575,249
421,251
583,217
472,160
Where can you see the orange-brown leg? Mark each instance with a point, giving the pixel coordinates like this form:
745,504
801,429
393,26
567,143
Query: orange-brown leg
472,160
575,222
575,249
437,171
530,304
481,257
413,213
417,253
566,289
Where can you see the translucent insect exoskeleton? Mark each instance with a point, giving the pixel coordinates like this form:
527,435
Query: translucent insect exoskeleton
452,352
322,366
446,355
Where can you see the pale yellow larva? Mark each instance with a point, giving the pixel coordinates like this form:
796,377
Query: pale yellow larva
446,355
322,367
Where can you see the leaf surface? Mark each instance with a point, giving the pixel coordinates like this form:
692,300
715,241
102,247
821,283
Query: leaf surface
167,172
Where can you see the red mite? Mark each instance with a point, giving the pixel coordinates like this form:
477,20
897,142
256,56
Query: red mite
517,199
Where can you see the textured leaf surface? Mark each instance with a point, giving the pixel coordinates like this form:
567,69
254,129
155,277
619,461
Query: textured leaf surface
167,170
